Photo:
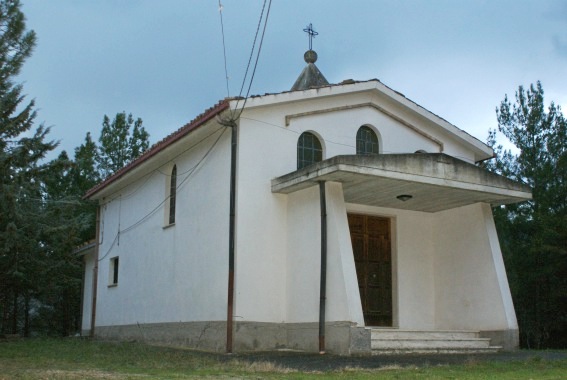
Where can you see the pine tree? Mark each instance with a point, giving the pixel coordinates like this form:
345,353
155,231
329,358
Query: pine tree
121,141
21,173
534,234
70,223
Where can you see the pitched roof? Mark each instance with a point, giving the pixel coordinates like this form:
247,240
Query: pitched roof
269,98
161,145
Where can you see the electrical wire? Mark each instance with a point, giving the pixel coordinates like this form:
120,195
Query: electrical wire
110,248
235,110
251,53
148,175
297,132
184,151
257,58
202,159
154,210
327,141
224,49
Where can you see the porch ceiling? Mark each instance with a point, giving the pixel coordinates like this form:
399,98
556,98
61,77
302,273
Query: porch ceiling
435,181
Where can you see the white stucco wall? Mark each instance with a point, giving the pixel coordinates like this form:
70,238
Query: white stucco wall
470,279
261,244
342,285
448,270
304,253
175,273
304,259
278,243
337,117
180,273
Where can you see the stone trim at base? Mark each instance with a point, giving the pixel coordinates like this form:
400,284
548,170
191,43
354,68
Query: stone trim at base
341,338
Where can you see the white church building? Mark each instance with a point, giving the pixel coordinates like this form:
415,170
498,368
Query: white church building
358,222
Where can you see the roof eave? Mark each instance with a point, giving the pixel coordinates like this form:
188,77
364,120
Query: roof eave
159,147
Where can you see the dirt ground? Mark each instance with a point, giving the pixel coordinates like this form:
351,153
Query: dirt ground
315,362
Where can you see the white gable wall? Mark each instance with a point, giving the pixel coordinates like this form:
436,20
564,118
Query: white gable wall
338,129
450,145
278,243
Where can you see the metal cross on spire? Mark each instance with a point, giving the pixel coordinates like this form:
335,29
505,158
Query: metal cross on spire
312,33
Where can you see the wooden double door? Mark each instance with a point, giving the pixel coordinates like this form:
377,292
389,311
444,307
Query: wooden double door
371,245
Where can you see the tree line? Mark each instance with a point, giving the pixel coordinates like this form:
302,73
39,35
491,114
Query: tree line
533,234
43,217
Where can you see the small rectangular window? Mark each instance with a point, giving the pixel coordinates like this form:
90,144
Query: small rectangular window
113,274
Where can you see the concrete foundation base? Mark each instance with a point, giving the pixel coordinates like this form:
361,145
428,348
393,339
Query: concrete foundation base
341,338
509,340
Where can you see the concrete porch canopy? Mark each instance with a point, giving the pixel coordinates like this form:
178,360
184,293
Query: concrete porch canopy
435,181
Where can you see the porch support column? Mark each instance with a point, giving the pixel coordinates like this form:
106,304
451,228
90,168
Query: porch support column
95,273
323,286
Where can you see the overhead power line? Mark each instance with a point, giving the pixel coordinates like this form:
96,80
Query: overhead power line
224,49
257,55
264,15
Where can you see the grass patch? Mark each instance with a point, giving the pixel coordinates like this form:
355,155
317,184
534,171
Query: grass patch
87,359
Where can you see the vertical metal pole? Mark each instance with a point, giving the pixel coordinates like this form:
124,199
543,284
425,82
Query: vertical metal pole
231,237
323,286
95,273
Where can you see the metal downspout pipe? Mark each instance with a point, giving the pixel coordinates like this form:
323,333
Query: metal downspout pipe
323,286
231,236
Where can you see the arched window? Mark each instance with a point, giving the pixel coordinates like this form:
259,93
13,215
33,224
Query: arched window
366,141
172,194
309,150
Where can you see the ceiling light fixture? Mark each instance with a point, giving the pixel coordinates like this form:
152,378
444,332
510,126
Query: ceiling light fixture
404,197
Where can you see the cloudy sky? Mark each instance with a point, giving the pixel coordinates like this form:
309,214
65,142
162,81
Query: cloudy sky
163,60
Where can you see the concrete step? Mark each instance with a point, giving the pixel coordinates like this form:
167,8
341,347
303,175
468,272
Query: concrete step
391,341
414,334
412,351
430,343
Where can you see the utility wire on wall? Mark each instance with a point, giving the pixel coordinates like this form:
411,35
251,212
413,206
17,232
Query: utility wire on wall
156,208
265,9
147,177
